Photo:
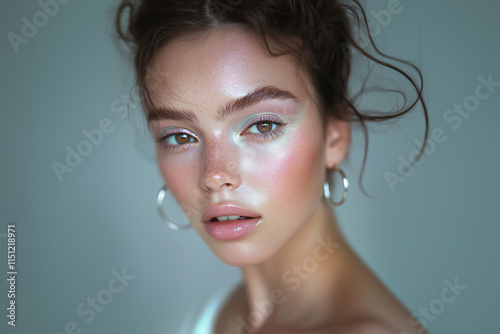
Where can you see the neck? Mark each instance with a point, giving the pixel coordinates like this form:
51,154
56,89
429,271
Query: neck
299,280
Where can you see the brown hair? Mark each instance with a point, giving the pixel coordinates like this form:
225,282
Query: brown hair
324,30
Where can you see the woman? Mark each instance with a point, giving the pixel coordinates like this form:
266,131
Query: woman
249,104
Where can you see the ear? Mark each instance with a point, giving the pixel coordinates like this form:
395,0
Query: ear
338,141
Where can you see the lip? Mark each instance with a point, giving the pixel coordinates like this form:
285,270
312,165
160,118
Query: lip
230,229
226,209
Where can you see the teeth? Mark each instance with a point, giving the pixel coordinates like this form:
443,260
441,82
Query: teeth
224,218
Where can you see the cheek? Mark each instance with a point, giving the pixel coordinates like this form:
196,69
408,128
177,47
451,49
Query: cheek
179,174
290,170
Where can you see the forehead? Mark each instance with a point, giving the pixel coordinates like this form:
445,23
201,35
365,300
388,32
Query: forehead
224,63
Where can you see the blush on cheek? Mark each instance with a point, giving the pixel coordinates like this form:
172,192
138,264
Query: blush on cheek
180,176
304,167
288,170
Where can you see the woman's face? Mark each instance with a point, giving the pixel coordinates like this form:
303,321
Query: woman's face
236,127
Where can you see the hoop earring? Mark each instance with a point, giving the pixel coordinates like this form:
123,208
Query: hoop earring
159,202
327,188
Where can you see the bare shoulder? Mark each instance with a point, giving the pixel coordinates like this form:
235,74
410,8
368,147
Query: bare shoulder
366,327
370,306
235,307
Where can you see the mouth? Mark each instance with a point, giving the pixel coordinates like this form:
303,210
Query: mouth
230,218
227,212
228,221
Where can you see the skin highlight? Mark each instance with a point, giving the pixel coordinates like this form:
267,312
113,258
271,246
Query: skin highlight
281,177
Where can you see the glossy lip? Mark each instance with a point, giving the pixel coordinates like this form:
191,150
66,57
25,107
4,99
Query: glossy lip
229,229
226,209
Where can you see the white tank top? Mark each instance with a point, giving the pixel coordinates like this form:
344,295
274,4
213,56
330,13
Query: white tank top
203,317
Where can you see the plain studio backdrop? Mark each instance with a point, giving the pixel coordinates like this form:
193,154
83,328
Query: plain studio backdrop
92,232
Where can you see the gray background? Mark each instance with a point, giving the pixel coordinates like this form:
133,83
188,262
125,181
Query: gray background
441,223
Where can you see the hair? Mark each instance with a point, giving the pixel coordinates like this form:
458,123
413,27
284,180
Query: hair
319,34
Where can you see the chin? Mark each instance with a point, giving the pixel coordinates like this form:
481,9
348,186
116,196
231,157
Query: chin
239,253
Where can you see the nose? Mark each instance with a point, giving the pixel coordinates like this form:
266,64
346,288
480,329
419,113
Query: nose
221,166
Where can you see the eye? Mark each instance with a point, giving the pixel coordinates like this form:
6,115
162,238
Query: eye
176,141
263,126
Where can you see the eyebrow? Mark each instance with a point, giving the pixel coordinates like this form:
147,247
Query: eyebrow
253,98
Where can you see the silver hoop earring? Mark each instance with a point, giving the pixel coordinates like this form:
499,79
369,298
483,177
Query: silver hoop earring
327,188
159,202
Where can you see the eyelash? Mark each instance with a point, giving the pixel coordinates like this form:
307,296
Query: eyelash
272,134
